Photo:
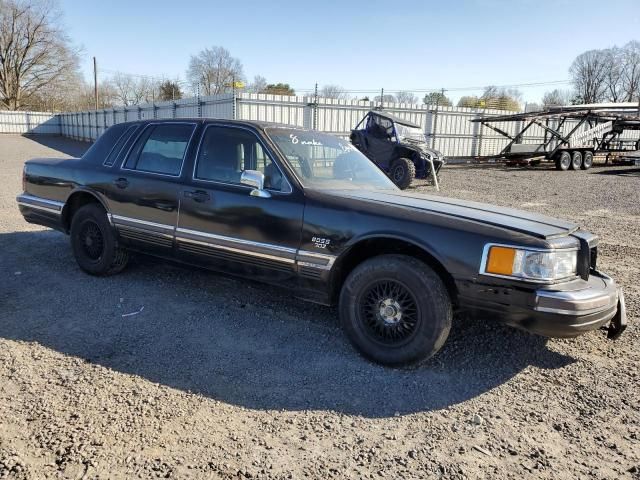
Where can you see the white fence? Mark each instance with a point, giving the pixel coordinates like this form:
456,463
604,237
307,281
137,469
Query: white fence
448,129
30,122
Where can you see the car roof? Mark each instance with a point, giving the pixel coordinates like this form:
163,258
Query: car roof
393,118
251,123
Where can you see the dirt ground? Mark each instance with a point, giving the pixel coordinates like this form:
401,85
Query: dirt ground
219,378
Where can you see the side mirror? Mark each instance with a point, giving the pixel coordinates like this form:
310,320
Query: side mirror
254,179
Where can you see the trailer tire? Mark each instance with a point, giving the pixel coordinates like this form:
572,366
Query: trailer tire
576,160
587,160
638,144
563,161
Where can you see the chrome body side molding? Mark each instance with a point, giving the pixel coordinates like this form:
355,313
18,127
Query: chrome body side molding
39,203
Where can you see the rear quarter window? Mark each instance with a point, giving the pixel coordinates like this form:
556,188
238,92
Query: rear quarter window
117,148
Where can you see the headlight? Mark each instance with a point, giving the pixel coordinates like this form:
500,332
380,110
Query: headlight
529,264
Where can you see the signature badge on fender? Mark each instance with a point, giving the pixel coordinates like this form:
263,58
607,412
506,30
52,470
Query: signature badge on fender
320,242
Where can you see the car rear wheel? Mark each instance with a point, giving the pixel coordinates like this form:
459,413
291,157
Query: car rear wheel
563,161
403,171
576,160
587,161
94,244
395,310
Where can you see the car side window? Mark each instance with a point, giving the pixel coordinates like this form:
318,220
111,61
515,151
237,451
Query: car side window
161,149
225,152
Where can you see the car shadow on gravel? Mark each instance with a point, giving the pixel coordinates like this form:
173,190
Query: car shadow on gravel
65,145
235,341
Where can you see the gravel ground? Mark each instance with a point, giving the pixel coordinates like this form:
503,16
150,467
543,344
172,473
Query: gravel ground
218,378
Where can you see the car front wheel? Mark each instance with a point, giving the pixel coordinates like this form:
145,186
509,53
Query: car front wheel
94,244
395,310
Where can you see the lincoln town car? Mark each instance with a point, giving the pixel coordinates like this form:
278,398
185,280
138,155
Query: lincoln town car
306,211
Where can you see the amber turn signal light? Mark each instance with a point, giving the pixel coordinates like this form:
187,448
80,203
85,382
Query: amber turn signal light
500,260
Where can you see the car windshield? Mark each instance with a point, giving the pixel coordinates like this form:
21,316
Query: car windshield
405,132
328,162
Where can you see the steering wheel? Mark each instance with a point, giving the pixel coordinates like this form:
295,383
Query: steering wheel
305,168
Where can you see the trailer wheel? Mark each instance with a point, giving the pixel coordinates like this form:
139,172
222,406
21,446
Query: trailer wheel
576,160
587,160
563,161
638,144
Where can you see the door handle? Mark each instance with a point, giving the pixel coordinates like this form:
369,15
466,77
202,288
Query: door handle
166,206
121,183
197,195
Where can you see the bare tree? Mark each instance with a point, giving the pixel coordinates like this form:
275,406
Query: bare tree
213,70
631,70
556,98
406,97
614,91
131,90
386,99
34,51
589,75
333,91
258,85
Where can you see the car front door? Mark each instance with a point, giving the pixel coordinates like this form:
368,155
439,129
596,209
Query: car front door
224,226
144,192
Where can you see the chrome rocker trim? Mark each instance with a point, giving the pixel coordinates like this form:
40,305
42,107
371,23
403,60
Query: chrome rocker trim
39,203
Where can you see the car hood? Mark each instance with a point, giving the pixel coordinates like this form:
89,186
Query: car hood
540,226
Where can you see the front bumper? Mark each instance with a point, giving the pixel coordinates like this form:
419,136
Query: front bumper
559,311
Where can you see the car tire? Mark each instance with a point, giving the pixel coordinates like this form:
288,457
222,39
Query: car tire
94,243
395,310
563,161
576,160
587,160
402,172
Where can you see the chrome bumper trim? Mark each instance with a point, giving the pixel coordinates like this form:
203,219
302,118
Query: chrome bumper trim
584,301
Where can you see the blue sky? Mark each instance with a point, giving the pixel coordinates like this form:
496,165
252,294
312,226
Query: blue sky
398,45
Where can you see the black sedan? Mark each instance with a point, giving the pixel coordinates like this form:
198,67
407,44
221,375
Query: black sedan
308,212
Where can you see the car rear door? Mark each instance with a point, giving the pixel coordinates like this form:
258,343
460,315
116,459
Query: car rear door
222,225
144,192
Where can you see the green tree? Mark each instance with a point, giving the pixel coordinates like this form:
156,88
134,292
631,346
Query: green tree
279,89
169,90
437,98
469,101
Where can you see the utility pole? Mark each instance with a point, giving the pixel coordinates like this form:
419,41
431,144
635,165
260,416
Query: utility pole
314,125
95,82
